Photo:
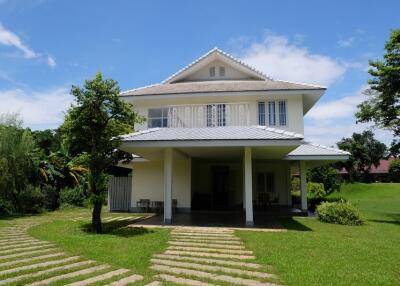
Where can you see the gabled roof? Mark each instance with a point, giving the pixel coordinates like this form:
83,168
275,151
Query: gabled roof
213,55
214,133
311,151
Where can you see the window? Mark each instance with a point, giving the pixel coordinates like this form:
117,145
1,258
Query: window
261,113
282,113
277,113
212,71
216,115
221,71
157,117
271,113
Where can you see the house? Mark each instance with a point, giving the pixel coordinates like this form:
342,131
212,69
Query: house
379,173
221,135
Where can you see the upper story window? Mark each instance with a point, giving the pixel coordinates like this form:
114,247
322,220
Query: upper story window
157,117
272,113
212,71
216,115
221,71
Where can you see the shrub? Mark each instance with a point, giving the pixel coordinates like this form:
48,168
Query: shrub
295,184
31,200
51,197
315,190
339,212
327,175
394,170
73,197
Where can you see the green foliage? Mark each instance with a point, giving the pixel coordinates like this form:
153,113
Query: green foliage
394,170
73,197
339,213
383,104
295,184
327,175
365,151
315,190
93,127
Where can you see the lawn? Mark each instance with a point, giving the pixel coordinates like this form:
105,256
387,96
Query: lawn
129,248
315,253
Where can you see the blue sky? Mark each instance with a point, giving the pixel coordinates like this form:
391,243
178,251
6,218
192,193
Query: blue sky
47,45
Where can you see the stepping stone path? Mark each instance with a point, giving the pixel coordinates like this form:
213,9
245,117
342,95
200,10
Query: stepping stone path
25,260
199,256
112,219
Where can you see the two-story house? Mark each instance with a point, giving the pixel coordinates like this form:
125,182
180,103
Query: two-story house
221,135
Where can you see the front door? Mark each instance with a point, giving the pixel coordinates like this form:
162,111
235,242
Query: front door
220,187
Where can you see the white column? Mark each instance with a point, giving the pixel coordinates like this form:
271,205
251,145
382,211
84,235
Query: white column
248,185
303,185
168,185
289,184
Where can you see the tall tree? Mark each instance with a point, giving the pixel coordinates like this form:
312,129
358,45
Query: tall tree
365,151
383,104
93,126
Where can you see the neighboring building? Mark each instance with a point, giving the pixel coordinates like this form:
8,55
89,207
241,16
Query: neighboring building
221,135
379,173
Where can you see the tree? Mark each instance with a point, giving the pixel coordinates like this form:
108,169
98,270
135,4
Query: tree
383,105
92,126
365,151
394,170
327,175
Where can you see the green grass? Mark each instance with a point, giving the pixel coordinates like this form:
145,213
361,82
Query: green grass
129,248
316,253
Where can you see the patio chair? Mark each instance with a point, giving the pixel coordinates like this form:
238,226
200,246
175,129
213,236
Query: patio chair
157,206
174,205
143,204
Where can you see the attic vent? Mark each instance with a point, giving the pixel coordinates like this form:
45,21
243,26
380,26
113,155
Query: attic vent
221,71
212,71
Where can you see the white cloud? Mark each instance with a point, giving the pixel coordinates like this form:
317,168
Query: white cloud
8,38
346,43
45,108
280,59
51,62
340,108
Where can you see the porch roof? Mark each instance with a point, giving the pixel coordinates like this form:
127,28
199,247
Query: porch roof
311,151
212,133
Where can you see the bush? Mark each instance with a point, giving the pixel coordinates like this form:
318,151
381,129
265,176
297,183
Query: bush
73,197
394,170
51,197
339,213
31,200
315,190
295,184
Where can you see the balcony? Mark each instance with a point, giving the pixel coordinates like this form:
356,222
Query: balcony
208,115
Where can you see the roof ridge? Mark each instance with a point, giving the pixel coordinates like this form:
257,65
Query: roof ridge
327,147
280,131
139,88
215,49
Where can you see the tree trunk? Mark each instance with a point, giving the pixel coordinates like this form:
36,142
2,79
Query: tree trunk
96,217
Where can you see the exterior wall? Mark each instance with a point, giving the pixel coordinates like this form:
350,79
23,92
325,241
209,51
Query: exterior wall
295,121
148,182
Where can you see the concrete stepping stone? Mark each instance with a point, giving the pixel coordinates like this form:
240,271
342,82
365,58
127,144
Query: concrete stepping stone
43,272
206,249
198,244
36,265
98,278
220,235
207,254
208,241
19,241
29,259
210,261
206,275
183,281
203,230
213,268
127,280
69,275
16,239
18,245
14,250
19,254
203,237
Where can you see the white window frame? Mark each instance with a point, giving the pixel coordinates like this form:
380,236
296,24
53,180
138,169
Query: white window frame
221,71
282,117
163,118
216,115
212,71
272,115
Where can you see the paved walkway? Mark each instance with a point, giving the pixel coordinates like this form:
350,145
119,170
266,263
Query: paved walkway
202,256
25,260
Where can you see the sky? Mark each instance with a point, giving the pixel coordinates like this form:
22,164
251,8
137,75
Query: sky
46,46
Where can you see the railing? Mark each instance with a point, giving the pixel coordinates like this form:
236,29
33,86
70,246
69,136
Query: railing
209,115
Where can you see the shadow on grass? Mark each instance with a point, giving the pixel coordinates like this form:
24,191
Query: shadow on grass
292,224
119,228
393,218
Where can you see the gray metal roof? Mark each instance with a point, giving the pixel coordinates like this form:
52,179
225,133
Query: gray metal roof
219,86
214,133
311,149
